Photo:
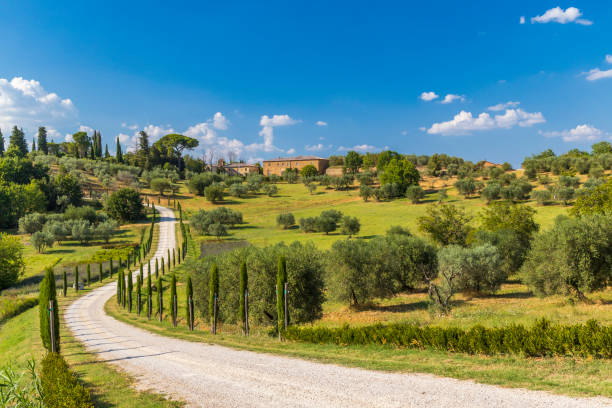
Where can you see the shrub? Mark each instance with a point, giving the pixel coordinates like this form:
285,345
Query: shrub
198,183
466,186
60,387
574,257
285,220
415,193
214,193
541,196
161,185
566,194
599,201
81,213
478,268
82,231
309,171
217,230
46,295
31,223
308,224
125,205
41,240
446,224
238,190
409,259
270,189
366,192
11,260
105,230
350,226
491,192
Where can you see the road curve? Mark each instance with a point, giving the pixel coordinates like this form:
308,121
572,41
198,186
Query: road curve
206,375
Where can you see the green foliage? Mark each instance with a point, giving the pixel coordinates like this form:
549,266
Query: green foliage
350,226
198,183
41,240
477,269
160,297
408,259
415,193
244,286
46,295
281,279
353,161
574,257
213,289
401,172
12,306
309,171
543,339
238,190
60,387
161,185
598,201
366,192
17,143
446,224
214,193
270,189
11,260
466,186
31,223
285,220
125,205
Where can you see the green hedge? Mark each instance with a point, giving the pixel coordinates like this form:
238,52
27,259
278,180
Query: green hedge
60,387
542,339
12,306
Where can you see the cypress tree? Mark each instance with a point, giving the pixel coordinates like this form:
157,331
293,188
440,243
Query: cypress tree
106,153
141,273
119,153
244,285
281,278
156,269
149,296
119,287
162,266
179,254
42,140
76,278
17,140
111,268
88,274
148,268
100,272
138,293
124,284
33,145
130,288
168,259
173,258
160,299
189,295
47,294
65,284
1,144
213,286
172,297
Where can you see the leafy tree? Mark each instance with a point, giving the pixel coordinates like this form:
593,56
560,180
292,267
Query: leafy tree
238,190
415,193
82,231
442,195
598,201
214,193
309,171
125,205
218,230
270,189
68,186
491,192
566,194
409,259
446,224
161,185
189,295
47,294
308,224
366,192
174,144
466,186
82,142
574,257
11,260
290,175
602,148
42,140
285,220
17,142
479,268
106,229
353,161
311,187
31,223
516,218
198,183
350,226
160,298
328,221
143,149
401,172
385,158
41,240
541,196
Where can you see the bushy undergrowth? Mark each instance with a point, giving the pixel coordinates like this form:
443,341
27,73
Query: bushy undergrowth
543,339
60,387
11,306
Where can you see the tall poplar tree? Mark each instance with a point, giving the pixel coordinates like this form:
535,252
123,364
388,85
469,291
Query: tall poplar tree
119,153
42,140
144,150
33,145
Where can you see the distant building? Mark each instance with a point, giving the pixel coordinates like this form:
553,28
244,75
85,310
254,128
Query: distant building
242,169
277,166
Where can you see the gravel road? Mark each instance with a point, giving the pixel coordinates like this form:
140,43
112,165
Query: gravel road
206,375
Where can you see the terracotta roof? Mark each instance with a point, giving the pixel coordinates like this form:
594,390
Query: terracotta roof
237,165
295,158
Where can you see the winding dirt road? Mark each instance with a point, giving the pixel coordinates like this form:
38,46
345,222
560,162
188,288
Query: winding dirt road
206,375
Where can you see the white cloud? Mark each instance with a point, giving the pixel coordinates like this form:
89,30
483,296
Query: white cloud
291,151
449,98
317,147
522,20
53,133
220,122
86,129
131,127
321,123
609,58
27,104
358,148
558,15
404,132
502,106
464,123
267,131
596,73
428,96
581,133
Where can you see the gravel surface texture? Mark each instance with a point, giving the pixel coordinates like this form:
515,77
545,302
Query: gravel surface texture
205,375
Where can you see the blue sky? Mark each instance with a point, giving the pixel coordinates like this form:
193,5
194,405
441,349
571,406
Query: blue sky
267,79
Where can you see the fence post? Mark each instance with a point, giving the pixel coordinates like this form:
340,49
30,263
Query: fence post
52,325
190,313
214,327
286,317
246,312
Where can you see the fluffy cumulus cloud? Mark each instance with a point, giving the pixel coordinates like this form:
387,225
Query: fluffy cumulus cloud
358,148
581,133
596,73
27,104
321,123
317,147
268,123
290,151
502,106
558,15
450,98
465,123
522,20
428,96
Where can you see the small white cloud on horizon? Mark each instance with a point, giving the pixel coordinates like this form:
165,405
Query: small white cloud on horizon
86,129
464,123
502,106
581,133
522,20
596,74
321,123
404,132
449,98
609,58
428,96
358,148
558,15
317,147
291,151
